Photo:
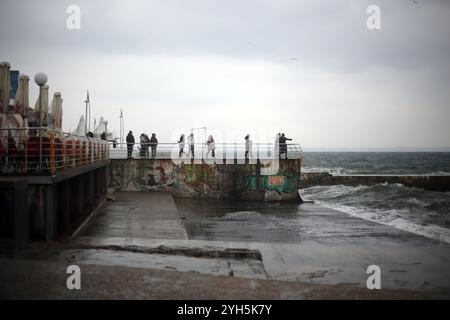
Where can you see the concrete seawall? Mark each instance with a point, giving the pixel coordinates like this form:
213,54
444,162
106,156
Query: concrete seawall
428,182
238,181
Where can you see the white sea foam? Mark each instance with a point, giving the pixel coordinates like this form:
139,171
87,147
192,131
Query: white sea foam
391,218
241,215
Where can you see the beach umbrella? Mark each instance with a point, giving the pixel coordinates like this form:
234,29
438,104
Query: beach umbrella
4,86
101,126
21,98
44,100
81,129
56,111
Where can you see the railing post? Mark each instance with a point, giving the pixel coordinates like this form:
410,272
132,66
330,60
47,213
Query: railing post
81,152
73,154
52,154
64,153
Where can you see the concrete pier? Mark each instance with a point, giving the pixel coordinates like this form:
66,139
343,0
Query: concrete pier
428,182
43,207
238,181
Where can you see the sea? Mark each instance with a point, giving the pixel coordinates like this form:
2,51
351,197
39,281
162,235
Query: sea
415,210
359,213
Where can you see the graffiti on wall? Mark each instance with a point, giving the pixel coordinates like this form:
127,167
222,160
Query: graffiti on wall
244,181
286,180
154,176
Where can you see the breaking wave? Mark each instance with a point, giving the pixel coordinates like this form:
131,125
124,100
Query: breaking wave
426,213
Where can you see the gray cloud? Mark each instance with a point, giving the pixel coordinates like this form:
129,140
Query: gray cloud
328,39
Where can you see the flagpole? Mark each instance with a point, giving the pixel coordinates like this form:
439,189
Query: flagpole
86,114
89,112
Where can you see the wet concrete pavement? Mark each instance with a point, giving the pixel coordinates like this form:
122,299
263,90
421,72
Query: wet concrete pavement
289,245
140,215
119,282
283,223
306,242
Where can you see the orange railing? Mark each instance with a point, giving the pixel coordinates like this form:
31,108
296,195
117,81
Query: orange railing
47,151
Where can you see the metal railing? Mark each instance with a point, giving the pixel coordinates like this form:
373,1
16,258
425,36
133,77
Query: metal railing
259,151
46,151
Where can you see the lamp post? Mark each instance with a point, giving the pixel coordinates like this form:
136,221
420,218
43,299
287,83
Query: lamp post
106,129
40,79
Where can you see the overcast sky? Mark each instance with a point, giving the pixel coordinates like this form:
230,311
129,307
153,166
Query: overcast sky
311,69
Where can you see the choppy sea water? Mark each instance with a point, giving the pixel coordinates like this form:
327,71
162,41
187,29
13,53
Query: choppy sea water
377,162
419,211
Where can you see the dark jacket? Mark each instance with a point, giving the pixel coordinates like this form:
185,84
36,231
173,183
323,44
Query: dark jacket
153,141
283,140
130,139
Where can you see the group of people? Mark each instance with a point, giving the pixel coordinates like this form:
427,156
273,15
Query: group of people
280,141
152,143
145,144
210,143
280,146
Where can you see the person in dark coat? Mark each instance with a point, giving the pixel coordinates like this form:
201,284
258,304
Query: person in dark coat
153,144
130,144
283,145
181,144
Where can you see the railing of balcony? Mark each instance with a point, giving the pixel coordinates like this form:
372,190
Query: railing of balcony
46,151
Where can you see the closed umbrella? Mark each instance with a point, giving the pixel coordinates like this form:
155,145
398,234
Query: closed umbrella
80,130
56,111
21,99
44,102
4,86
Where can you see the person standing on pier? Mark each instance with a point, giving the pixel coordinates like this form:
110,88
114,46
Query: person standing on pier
130,144
191,144
144,146
283,145
181,143
211,146
147,146
248,147
153,145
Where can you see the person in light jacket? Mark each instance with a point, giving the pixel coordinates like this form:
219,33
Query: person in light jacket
211,146
191,144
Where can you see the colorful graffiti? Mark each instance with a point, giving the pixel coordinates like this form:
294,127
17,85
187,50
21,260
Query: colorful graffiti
220,180
153,176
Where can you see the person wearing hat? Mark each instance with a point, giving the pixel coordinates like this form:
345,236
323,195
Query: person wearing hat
130,144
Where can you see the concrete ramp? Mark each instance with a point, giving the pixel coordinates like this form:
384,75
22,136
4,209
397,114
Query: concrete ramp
150,215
